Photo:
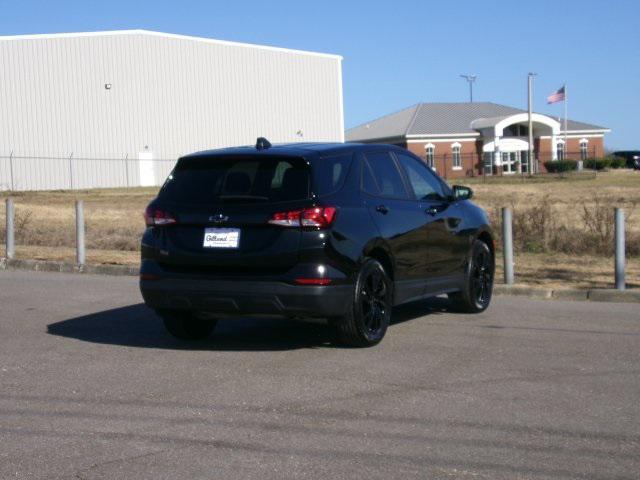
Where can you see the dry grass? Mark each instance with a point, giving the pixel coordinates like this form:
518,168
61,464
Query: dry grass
568,195
68,254
568,271
562,226
113,218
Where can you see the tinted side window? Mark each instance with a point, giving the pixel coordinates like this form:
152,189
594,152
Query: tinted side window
369,184
386,175
329,173
424,184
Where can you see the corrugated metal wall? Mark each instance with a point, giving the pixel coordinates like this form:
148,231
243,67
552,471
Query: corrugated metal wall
169,95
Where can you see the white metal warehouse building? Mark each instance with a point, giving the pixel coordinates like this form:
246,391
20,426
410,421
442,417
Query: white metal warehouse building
111,109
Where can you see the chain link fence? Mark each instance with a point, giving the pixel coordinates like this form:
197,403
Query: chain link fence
19,173
48,172
502,164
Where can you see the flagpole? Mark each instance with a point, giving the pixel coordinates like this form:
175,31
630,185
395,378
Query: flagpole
566,143
530,154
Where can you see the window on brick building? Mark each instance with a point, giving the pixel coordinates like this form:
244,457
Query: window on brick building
429,155
457,157
560,150
584,149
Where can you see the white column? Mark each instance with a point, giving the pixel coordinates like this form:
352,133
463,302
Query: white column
497,160
519,160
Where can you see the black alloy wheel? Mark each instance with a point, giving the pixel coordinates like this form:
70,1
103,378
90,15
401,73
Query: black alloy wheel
368,318
482,276
373,302
475,294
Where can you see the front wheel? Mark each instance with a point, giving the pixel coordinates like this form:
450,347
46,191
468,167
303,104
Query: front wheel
185,325
475,295
370,313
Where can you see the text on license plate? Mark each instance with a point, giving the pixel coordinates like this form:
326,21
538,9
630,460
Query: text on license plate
221,238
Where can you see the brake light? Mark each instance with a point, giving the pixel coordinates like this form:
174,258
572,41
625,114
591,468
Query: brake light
319,217
155,216
149,277
313,281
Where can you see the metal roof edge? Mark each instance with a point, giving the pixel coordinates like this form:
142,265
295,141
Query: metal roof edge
41,36
587,131
438,135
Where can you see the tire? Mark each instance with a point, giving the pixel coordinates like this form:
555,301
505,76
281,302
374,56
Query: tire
370,312
475,295
184,325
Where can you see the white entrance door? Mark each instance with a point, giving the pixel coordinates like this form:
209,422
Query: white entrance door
147,169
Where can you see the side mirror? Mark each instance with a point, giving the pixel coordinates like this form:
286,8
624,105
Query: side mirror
462,193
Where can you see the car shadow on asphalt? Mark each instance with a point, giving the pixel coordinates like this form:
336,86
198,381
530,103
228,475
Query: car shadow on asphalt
138,326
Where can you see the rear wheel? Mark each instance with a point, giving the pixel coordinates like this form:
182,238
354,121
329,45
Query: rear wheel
475,296
369,315
185,325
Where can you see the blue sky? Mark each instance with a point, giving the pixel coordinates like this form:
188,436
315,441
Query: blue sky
397,53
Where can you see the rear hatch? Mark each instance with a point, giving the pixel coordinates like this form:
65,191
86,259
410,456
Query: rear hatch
222,206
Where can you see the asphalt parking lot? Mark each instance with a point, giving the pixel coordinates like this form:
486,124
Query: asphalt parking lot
91,387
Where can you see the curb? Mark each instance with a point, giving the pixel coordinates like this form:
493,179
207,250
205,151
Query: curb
610,295
64,267
527,291
593,295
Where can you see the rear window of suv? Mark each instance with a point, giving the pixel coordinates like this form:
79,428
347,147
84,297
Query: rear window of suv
246,179
237,179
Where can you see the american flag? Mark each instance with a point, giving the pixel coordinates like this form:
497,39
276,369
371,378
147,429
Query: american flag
557,96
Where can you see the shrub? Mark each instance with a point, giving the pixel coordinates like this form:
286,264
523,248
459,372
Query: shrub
617,162
543,227
597,163
560,166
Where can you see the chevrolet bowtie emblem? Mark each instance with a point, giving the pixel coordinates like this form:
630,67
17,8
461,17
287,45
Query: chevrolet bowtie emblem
218,218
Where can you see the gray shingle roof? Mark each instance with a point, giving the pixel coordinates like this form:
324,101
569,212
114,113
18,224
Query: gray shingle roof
439,119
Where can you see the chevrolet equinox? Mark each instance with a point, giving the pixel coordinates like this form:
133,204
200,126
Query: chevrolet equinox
338,231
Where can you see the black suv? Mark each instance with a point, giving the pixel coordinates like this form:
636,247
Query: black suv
337,231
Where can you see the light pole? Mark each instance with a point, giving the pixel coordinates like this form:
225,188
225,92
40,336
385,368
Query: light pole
530,107
470,79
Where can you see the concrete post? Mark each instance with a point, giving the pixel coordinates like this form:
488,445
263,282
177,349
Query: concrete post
507,245
620,247
10,238
80,251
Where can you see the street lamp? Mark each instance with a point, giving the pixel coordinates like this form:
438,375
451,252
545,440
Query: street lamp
470,79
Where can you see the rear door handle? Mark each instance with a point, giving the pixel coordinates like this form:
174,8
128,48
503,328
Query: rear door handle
382,209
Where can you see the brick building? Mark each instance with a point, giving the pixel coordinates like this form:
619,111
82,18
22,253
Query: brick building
465,139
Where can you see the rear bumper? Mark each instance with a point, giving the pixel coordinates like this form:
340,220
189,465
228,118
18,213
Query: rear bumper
247,297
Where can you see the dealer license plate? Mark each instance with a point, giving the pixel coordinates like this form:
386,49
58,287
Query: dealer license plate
221,238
